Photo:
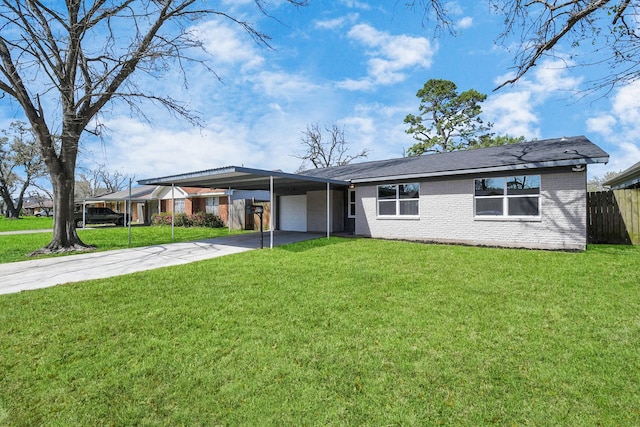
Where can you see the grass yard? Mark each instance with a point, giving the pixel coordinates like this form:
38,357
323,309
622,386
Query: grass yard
16,247
25,223
337,332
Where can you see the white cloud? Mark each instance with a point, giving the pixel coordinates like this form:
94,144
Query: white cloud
391,56
354,4
147,150
626,105
332,24
284,86
513,110
512,114
620,127
364,84
464,23
228,45
603,124
453,8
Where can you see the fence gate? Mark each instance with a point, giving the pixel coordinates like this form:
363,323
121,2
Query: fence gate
614,217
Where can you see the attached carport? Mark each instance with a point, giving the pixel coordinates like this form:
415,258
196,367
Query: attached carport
125,198
241,178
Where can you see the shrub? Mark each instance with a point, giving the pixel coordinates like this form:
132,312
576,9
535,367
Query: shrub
182,220
205,219
200,219
163,218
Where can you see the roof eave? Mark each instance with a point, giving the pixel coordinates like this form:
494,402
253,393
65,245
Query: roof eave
177,179
502,168
624,184
628,177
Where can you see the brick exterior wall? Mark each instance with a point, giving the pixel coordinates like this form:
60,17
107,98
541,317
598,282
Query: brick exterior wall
223,209
447,215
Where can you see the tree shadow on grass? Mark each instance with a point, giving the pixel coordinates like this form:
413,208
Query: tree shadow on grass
314,244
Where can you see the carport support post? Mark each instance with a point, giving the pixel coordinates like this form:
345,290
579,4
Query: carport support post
130,214
328,210
272,206
229,212
173,210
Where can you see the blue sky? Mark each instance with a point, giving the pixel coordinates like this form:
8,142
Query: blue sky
357,64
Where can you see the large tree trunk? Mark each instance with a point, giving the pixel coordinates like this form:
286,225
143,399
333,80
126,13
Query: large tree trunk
65,238
62,171
11,211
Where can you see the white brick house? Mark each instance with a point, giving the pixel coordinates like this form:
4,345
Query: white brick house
529,195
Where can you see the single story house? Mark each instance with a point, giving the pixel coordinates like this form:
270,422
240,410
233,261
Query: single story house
529,195
147,200
38,207
628,178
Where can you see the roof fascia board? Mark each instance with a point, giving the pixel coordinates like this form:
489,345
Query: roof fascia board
624,184
175,179
171,179
524,166
116,199
624,177
296,176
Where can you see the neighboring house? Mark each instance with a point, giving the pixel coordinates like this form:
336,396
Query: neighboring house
38,207
629,178
530,195
147,200
141,198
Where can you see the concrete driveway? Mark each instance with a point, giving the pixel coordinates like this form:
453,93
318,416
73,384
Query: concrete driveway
42,273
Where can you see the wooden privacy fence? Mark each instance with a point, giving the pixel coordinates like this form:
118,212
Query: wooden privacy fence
614,217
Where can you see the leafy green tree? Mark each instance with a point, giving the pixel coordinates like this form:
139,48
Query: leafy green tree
448,120
491,141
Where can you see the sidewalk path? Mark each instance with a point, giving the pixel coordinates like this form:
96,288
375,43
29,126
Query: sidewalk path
26,231
42,273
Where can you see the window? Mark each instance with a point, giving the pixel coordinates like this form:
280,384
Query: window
398,199
179,205
212,205
351,213
509,196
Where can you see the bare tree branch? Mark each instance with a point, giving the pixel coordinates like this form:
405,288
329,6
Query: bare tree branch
81,55
596,30
322,154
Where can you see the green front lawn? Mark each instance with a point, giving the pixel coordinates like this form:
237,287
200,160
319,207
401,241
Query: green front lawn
16,247
25,223
338,332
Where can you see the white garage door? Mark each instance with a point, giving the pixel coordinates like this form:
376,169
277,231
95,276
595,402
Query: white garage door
293,213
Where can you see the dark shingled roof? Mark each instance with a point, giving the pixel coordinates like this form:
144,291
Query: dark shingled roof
576,150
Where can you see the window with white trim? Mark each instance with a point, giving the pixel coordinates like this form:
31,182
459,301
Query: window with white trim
212,205
512,196
351,204
179,205
399,199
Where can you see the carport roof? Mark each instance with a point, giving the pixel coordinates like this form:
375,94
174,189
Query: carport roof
241,178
